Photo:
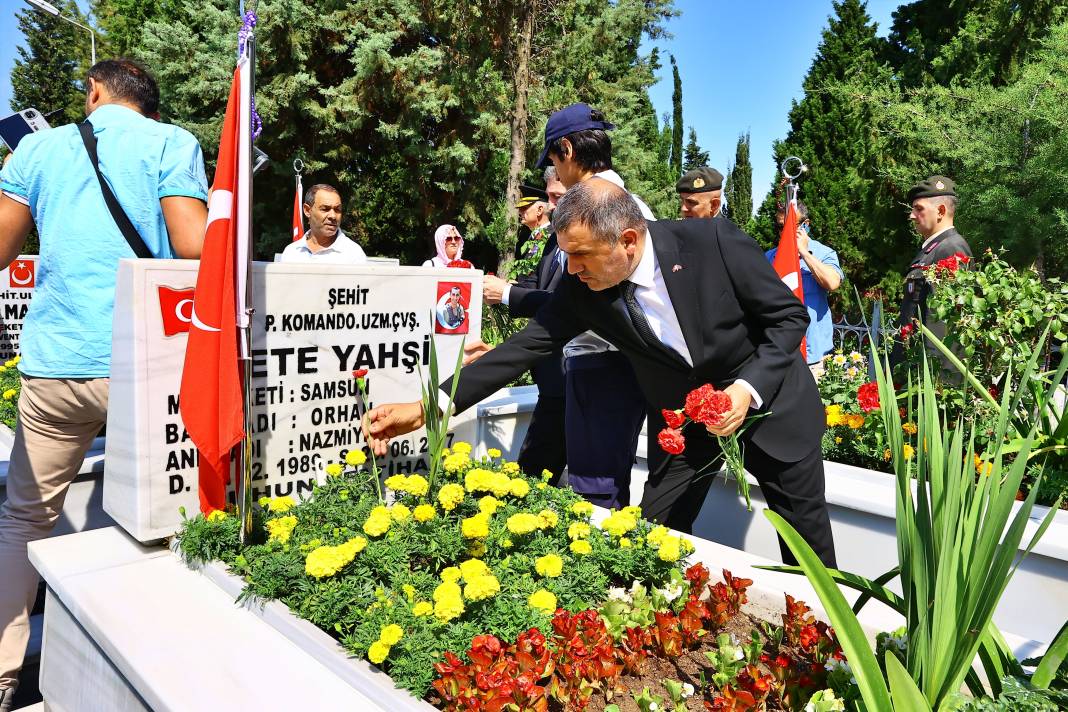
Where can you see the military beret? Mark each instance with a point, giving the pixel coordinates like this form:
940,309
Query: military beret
933,187
529,195
700,180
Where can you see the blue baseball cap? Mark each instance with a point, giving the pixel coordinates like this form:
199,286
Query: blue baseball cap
577,117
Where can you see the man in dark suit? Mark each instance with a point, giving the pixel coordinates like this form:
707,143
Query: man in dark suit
545,444
688,303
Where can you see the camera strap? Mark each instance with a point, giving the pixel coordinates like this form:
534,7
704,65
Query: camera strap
125,226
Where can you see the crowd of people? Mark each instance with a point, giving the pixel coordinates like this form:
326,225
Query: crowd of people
627,315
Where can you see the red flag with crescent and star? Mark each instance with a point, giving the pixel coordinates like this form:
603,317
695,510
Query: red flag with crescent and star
787,260
211,399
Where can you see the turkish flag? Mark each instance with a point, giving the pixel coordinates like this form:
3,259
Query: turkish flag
22,274
176,308
298,213
211,399
787,260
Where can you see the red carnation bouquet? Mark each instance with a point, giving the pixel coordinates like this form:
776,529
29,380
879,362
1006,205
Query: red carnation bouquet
462,264
707,406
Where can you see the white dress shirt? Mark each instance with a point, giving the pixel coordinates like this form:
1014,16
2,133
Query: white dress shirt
341,251
652,296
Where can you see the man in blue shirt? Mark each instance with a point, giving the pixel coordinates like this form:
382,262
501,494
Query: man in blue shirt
820,275
156,172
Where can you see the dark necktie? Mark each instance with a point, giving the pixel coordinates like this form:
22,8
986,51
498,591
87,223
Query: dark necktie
637,316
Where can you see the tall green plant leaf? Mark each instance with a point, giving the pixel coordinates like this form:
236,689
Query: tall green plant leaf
1052,660
903,690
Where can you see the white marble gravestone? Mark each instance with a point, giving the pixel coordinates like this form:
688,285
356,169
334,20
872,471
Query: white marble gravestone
17,281
313,325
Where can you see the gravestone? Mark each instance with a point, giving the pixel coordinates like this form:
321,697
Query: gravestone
313,326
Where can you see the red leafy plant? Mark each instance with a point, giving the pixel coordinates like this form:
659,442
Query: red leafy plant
497,677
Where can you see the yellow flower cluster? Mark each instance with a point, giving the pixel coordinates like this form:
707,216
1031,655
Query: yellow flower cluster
334,469
387,638
328,560
448,601
582,509
578,530
519,487
424,513
423,608
9,394
581,547
489,505
549,519
481,583
399,512
619,523
982,467
378,521
493,452
542,600
549,566
462,447
456,461
523,523
450,496
835,416
355,458
217,515
476,527
280,505
510,468
415,485
482,480
908,451
280,529
910,428
669,548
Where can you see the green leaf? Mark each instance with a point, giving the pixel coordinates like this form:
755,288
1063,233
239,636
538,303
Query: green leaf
907,697
1052,660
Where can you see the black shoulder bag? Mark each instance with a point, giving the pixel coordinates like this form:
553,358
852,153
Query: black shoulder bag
125,226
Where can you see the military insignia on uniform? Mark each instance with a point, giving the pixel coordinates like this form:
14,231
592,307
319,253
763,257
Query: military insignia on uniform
676,268
698,182
940,185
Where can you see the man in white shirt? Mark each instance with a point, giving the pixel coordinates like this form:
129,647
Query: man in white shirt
324,241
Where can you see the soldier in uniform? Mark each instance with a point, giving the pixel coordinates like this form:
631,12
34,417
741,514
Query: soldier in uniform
700,192
934,205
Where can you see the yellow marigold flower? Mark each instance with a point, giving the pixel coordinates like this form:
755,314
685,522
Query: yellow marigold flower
328,560
475,527
423,608
424,513
838,441
378,652
399,512
280,505
624,542
519,487
619,523
493,452
447,609
9,394
542,600
482,587
909,428
391,634
280,529
545,474
450,574
908,451
523,523
506,543
855,420
472,569
450,496
582,509
549,565
670,549
263,502
409,591
417,485
456,462
549,518
489,504
887,455
3,368
462,447
378,522
217,515
541,485
633,510
355,458
396,482
510,468
581,547
578,530
334,469
447,589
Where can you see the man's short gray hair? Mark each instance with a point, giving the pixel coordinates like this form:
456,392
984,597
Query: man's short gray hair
950,201
550,174
606,213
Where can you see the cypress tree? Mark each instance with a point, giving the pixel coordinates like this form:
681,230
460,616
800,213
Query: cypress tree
694,157
739,185
676,123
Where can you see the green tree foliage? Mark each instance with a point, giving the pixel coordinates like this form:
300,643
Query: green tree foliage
51,62
830,132
739,185
676,119
405,106
694,156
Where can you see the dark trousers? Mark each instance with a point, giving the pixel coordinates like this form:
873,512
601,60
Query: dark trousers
603,415
794,490
544,447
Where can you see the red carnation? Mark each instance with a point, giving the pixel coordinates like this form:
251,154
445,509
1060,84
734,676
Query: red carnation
673,418
906,331
671,441
359,373
706,405
462,264
868,396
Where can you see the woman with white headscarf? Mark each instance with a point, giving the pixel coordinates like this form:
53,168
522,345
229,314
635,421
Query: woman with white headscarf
450,247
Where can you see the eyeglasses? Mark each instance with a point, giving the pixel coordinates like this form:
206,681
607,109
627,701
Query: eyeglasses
453,238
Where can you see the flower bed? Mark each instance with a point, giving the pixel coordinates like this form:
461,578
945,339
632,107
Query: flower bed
488,583
10,387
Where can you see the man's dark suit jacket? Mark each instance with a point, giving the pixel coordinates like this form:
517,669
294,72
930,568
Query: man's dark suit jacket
527,296
739,321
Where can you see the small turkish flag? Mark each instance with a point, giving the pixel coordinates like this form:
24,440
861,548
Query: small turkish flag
788,261
176,308
21,274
